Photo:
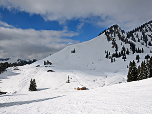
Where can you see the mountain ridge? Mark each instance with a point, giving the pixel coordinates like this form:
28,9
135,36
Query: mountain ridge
118,39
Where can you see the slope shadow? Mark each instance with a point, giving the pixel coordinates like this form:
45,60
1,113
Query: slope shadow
25,102
41,89
4,76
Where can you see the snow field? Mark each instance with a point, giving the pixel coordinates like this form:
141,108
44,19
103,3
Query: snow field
126,98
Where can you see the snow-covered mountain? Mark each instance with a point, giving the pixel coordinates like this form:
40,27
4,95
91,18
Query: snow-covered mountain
99,64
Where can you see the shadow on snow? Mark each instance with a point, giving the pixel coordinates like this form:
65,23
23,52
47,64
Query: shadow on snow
25,102
41,89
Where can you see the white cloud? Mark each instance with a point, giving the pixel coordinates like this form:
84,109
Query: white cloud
30,43
126,13
5,24
79,27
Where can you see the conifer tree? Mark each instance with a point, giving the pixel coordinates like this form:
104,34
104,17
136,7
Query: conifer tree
145,70
114,59
111,59
107,55
129,79
44,63
32,85
138,70
149,43
132,73
147,57
137,58
127,52
142,50
150,68
124,57
68,81
141,72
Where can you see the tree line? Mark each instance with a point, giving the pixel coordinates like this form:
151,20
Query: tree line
143,71
4,66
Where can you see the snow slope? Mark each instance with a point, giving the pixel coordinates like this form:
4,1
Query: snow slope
126,98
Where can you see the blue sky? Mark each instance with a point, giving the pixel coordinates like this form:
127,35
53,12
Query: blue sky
34,28
24,20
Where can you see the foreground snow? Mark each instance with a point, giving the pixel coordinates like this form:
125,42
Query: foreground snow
126,98
106,95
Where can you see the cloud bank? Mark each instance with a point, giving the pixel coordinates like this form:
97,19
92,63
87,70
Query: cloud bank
30,44
127,13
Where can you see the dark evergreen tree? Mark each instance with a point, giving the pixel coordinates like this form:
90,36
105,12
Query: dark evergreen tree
34,60
137,58
107,55
123,48
32,85
141,73
114,59
73,51
132,73
147,57
139,51
122,52
116,46
146,39
44,63
132,47
136,50
138,70
146,69
124,57
111,60
127,52
150,68
119,54
68,80
142,50
129,78
99,34
149,43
